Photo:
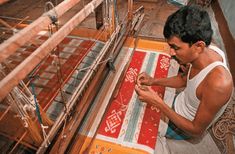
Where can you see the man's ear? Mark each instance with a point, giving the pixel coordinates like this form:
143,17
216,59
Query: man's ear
200,45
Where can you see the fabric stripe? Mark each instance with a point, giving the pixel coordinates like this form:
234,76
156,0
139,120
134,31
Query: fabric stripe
113,120
131,129
149,129
168,97
100,106
131,105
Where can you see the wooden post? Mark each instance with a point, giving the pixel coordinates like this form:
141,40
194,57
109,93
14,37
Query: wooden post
113,26
99,16
130,9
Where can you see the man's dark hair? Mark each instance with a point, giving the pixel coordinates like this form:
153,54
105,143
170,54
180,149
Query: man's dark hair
190,24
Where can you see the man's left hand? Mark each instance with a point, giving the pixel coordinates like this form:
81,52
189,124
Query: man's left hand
148,95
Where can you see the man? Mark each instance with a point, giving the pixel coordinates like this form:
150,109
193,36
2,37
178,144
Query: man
208,82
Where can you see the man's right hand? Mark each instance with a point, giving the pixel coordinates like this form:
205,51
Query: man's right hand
144,79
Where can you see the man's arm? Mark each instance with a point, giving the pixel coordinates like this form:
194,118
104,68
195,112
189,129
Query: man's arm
214,92
178,81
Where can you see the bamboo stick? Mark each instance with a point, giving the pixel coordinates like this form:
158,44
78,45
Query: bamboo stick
5,112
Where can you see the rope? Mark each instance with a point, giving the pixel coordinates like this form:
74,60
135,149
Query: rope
18,100
36,103
52,15
56,58
56,62
43,127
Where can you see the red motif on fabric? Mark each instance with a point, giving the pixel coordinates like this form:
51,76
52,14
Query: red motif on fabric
111,124
114,119
149,128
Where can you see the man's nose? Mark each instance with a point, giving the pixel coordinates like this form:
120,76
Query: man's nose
172,52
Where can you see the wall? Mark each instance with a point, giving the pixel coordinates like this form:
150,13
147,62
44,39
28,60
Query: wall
228,8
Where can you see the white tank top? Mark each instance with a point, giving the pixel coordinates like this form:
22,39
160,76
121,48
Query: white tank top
187,103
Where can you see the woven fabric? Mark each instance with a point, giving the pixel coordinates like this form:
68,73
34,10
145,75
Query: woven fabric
130,125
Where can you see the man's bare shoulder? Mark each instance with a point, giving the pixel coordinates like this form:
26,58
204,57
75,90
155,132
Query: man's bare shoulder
219,82
219,76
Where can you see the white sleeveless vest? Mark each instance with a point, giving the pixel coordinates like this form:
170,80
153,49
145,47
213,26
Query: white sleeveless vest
187,103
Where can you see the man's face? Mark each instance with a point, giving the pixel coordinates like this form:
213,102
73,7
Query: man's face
180,50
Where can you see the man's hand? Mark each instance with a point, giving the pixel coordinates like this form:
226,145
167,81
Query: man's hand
148,95
144,79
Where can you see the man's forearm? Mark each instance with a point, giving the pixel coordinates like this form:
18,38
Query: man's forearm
184,124
173,82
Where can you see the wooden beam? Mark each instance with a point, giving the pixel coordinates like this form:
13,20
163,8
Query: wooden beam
99,16
130,9
229,42
3,1
23,69
8,47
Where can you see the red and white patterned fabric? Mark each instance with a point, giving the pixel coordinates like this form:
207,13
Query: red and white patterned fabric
122,124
